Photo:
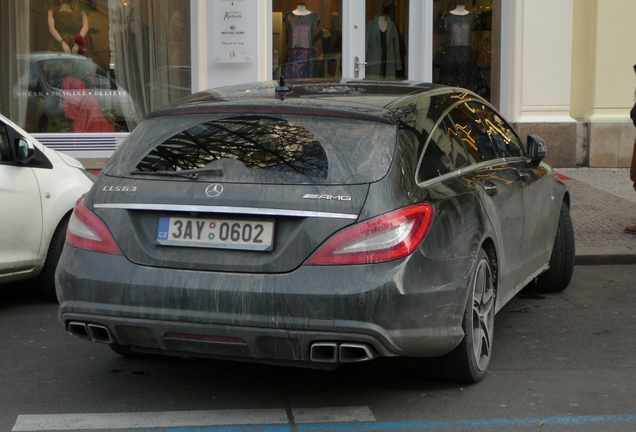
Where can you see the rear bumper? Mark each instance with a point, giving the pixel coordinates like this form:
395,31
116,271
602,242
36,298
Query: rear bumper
309,348
412,307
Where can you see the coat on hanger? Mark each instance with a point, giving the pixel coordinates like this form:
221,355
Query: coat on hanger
374,48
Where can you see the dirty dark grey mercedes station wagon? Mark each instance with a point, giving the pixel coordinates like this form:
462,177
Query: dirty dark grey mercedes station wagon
315,224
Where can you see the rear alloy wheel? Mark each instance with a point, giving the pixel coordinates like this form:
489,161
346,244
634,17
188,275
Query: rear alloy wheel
469,361
558,276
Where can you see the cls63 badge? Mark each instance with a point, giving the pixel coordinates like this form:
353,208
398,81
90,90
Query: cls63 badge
119,188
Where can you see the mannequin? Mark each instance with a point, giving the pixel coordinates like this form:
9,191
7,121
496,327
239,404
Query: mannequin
68,25
460,10
383,48
458,66
331,36
382,23
301,9
300,25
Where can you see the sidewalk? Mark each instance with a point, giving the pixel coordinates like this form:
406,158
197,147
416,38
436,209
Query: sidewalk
603,202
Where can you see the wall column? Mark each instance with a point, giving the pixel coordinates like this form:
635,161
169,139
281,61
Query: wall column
543,85
604,80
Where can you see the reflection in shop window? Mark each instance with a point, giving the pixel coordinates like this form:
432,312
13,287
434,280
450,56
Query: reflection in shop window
70,93
92,65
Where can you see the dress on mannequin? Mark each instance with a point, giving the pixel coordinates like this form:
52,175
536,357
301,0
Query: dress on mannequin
458,67
68,25
300,25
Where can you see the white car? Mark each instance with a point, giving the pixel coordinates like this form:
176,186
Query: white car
38,190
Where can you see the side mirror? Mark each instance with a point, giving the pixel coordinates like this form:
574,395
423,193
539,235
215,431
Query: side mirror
537,149
24,150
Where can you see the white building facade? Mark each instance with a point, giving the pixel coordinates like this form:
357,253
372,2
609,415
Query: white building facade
561,70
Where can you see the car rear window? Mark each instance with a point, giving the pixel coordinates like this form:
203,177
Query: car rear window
55,70
281,149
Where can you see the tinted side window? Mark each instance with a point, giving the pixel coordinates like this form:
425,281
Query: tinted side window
5,149
459,152
473,133
501,134
444,153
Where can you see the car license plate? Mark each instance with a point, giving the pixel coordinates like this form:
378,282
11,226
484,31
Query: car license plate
216,233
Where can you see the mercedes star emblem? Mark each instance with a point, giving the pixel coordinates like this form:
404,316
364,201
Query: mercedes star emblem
214,190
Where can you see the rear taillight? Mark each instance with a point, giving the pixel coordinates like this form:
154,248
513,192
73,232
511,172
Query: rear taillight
387,237
87,231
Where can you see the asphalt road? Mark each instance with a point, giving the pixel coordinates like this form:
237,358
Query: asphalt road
563,362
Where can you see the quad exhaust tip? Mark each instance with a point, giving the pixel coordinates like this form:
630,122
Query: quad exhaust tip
79,329
356,352
320,352
90,332
334,352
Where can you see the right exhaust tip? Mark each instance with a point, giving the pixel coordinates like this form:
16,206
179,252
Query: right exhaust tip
356,352
99,333
334,352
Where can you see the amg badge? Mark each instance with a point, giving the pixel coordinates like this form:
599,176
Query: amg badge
327,197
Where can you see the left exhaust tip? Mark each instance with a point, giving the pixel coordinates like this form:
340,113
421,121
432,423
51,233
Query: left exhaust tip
90,332
79,329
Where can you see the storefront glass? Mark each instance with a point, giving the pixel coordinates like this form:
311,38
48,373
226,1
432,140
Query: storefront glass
387,31
465,44
82,66
307,39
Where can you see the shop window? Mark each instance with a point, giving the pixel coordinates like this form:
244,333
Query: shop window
387,39
465,45
92,65
307,39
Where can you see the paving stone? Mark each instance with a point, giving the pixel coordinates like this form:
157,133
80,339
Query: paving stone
603,203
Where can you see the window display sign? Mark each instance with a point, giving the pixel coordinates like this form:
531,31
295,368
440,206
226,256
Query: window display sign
234,23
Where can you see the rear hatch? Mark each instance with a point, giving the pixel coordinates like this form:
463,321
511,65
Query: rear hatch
239,193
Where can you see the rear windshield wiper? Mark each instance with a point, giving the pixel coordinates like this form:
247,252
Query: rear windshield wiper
191,173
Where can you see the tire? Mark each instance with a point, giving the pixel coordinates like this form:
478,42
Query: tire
46,279
558,276
469,362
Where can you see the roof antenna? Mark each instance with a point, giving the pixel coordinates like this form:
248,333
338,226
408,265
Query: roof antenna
282,89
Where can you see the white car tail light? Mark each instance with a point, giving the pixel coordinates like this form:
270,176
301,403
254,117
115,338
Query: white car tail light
87,231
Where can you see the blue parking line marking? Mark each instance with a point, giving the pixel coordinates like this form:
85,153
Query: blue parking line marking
401,426
420,425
